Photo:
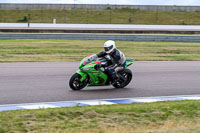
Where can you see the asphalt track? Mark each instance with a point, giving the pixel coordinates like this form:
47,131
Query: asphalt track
48,82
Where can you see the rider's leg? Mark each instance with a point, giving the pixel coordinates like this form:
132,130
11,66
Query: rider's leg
120,68
114,72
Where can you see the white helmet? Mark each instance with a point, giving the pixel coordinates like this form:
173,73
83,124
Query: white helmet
109,46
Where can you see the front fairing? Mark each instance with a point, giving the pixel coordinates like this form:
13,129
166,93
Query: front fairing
88,60
90,68
96,77
81,64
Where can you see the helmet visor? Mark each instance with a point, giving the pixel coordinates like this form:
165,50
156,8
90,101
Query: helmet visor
108,48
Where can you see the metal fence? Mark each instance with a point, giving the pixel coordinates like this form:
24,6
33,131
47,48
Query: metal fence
98,7
107,16
81,16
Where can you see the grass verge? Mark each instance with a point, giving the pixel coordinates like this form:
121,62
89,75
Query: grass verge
117,16
178,116
75,50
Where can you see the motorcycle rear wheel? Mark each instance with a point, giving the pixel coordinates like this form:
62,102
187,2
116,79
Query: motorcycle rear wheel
75,82
127,75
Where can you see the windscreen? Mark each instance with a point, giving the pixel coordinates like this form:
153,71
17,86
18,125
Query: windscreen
90,59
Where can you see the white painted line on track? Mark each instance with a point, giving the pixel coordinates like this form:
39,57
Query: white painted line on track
96,102
38,106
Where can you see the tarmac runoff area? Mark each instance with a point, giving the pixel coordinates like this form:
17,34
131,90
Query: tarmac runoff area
98,28
101,26
45,83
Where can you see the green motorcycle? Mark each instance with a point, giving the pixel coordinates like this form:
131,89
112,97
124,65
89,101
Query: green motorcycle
91,73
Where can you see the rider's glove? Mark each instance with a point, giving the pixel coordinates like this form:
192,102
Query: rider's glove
106,69
102,69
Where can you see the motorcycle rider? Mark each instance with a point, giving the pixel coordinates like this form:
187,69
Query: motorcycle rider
118,59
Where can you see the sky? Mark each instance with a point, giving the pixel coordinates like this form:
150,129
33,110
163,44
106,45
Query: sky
118,2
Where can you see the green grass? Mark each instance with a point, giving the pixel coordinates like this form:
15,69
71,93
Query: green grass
75,50
117,16
179,116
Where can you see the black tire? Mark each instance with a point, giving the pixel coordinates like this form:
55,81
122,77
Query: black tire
127,74
75,83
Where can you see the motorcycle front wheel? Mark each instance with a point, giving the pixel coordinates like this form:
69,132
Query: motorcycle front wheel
124,79
75,82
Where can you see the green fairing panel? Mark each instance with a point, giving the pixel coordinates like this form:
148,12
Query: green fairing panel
129,62
90,65
94,74
83,75
94,77
81,64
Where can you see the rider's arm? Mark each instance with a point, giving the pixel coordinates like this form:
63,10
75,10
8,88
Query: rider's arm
115,60
102,54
